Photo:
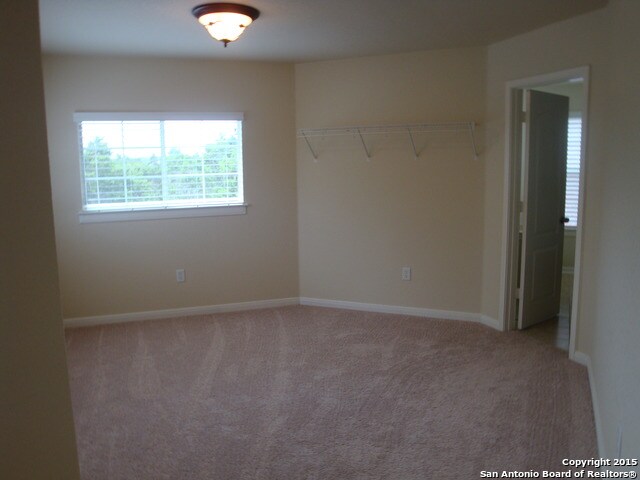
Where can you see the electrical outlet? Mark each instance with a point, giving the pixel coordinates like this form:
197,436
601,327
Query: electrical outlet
406,274
180,277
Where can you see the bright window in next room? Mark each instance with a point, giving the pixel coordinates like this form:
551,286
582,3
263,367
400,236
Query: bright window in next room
573,170
148,161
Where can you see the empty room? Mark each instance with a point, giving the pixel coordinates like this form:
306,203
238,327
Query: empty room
346,239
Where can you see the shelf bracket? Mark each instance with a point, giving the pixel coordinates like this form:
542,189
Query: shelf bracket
315,156
472,130
413,144
364,145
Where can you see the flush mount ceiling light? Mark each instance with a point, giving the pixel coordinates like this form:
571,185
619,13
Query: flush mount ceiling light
225,21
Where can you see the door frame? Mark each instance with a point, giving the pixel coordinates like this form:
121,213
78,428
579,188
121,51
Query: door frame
510,222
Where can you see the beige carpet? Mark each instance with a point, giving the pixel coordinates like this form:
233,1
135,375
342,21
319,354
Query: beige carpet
313,393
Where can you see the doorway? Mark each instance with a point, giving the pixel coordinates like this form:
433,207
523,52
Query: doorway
574,85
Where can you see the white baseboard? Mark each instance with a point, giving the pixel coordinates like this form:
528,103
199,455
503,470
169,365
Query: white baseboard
177,312
490,322
399,310
584,359
280,302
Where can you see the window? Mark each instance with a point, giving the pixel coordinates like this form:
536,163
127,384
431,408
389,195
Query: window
158,165
573,170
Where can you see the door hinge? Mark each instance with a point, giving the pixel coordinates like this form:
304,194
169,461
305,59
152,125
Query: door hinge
522,116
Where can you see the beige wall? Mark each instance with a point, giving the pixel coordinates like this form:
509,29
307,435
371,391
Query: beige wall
124,267
608,328
36,426
358,221
581,41
361,221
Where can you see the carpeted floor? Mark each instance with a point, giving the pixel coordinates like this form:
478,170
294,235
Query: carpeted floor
314,393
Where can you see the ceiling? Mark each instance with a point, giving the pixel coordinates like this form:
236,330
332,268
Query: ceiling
295,30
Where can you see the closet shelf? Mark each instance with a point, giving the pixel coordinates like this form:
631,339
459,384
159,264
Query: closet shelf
410,129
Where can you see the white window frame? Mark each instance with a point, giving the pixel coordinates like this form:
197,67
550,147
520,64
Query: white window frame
160,212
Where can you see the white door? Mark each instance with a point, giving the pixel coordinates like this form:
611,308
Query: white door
545,158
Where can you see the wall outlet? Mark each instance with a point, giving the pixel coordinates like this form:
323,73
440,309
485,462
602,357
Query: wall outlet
406,274
180,275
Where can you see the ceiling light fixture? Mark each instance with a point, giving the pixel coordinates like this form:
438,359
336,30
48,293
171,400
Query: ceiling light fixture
225,21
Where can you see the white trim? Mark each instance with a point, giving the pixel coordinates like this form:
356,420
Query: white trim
551,78
490,322
160,213
584,359
510,203
279,302
399,310
119,116
579,230
177,312
507,284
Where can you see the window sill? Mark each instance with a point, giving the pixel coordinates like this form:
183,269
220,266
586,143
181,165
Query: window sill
160,213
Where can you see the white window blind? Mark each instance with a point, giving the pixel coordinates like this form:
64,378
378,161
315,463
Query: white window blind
573,170
153,161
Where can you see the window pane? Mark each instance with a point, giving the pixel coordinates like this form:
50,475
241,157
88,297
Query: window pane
141,134
141,162
190,136
91,192
144,189
100,160
573,170
112,191
109,132
185,187
144,167
147,164
222,186
221,157
180,162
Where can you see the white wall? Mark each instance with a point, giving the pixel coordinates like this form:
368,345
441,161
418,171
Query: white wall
608,330
361,221
124,267
36,425
615,321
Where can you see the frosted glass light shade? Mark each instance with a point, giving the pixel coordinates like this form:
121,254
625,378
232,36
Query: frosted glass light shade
225,26
225,21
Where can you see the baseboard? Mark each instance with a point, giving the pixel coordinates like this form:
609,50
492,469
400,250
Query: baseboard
490,322
280,302
399,310
177,312
584,359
